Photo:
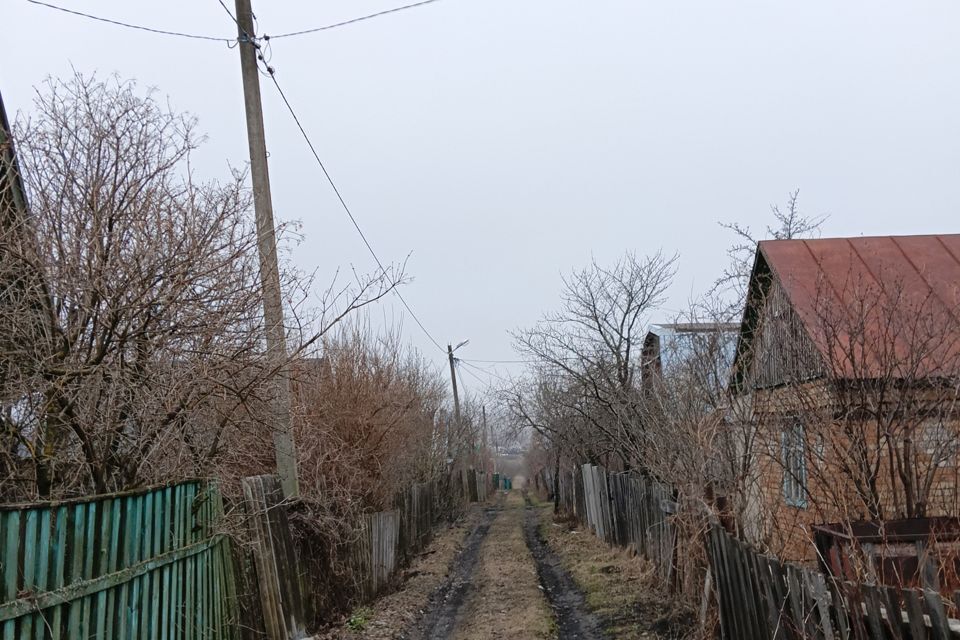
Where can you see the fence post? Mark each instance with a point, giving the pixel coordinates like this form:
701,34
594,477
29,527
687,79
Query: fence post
281,598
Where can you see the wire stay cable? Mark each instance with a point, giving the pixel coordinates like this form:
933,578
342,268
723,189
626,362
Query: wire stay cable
351,21
230,13
129,25
346,207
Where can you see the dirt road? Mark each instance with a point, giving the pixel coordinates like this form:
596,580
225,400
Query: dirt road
508,570
506,584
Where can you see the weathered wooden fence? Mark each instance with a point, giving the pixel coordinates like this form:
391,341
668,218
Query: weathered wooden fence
419,512
761,598
144,564
640,509
391,538
339,574
572,501
376,552
475,485
625,510
483,486
283,609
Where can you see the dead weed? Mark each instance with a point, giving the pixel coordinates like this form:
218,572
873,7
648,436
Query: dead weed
620,588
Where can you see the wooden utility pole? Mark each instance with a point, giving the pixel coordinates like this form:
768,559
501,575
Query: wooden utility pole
456,397
282,423
484,447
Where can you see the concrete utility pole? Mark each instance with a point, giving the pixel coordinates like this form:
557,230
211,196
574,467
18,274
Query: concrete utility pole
282,423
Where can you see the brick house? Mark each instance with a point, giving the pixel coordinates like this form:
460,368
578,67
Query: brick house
845,384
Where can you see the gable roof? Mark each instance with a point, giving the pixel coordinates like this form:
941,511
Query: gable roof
877,291
12,196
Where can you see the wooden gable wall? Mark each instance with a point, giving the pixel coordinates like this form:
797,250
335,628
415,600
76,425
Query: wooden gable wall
783,350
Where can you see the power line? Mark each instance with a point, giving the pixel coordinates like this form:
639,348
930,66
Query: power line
272,75
346,208
472,375
351,21
129,25
484,371
463,385
500,361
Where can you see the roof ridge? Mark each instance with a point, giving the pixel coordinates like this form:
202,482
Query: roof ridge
852,238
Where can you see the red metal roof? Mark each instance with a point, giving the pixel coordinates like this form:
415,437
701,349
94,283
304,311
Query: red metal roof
896,297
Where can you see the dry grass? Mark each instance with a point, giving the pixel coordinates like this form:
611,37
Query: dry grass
507,601
621,589
389,616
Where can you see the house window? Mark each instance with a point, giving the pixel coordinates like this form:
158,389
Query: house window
939,441
794,464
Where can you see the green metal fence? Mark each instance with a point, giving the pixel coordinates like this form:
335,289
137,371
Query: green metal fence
147,564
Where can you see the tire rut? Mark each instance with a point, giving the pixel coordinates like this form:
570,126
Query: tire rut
447,600
573,617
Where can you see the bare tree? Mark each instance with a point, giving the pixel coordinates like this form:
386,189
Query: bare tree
588,357
132,335
881,421
789,223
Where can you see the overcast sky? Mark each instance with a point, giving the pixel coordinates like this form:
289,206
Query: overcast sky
500,143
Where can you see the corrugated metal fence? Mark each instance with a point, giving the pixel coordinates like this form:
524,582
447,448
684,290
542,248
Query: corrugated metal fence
152,564
145,564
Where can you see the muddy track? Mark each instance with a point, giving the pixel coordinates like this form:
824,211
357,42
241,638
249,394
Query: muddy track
447,600
573,617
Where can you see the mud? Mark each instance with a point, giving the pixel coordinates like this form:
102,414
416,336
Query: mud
447,600
573,617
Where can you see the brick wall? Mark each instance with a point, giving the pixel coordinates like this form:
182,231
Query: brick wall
786,530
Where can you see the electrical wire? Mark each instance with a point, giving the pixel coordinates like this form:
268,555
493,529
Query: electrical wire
472,375
351,21
128,25
463,384
346,207
484,371
271,73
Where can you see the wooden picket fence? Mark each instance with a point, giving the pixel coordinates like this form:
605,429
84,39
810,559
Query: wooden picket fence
483,486
419,511
143,564
389,539
475,485
623,509
761,598
375,553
